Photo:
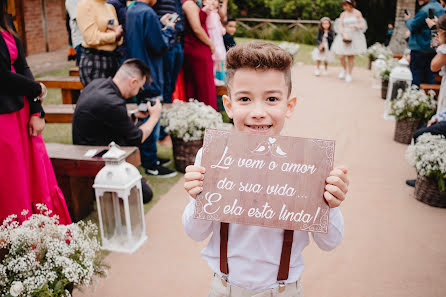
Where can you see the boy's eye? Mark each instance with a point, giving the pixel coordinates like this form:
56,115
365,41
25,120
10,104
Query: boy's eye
244,99
272,99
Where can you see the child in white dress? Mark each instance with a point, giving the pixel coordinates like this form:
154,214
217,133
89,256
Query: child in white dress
216,32
323,53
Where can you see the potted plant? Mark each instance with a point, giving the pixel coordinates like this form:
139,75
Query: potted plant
42,258
411,108
186,123
428,156
377,49
385,76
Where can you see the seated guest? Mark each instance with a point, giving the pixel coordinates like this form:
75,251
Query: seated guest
228,38
102,34
101,114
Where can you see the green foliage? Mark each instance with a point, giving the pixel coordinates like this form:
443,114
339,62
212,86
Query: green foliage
280,33
304,9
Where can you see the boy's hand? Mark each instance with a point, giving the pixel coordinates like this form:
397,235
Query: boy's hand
193,180
337,186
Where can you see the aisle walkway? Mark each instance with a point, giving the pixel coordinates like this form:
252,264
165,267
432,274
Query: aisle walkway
394,245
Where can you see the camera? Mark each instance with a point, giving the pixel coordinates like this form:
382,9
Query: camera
143,104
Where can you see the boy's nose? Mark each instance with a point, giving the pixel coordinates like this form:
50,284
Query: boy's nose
258,111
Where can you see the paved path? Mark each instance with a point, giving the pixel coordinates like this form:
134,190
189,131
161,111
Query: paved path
45,62
393,246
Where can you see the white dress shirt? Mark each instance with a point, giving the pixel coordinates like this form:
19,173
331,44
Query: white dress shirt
76,35
254,252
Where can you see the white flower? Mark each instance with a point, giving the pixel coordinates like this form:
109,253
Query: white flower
291,48
413,104
16,289
378,49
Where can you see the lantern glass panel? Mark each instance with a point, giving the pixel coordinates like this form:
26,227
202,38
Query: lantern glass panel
113,217
399,84
135,209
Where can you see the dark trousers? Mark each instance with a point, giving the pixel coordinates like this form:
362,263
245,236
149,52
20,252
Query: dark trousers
173,61
435,129
148,148
97,64
420,66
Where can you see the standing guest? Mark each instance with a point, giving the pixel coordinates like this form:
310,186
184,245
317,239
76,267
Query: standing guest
173,59
421,53
101,114
216,32
26,175
148,41
388,34
324,39
198,48
102,34
71,51
121,11
228,38
76,35
351,39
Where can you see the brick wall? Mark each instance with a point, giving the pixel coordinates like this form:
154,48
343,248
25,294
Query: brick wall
34,29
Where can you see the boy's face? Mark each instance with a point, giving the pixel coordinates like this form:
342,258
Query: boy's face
231,27
259,101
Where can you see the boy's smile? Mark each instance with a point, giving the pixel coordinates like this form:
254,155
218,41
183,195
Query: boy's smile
259,101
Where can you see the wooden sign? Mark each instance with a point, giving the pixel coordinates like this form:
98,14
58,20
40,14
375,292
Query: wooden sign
271,181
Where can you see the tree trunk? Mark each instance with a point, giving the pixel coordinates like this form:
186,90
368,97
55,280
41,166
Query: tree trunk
398,42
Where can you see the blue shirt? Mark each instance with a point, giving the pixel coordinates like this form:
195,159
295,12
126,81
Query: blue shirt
420,34
148,42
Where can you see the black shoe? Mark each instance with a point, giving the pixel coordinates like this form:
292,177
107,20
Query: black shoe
164,162
411,182
147,193
160,171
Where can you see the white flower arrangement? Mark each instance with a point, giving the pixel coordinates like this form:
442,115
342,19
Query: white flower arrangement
428,156
189,120
414,104
44,258
390,64
378,49
290,47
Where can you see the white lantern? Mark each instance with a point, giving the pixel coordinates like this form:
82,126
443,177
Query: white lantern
378,67
119,202
400,78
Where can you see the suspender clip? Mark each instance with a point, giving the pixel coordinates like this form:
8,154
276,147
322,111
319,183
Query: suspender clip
282,287
224,280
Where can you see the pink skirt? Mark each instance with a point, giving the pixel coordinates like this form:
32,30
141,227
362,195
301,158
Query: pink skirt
26,173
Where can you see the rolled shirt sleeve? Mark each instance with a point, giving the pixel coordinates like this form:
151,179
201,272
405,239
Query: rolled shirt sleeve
333,238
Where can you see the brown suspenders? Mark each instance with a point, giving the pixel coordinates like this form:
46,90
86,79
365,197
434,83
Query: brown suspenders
284,266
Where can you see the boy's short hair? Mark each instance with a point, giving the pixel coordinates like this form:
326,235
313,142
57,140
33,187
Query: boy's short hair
260,56
230,20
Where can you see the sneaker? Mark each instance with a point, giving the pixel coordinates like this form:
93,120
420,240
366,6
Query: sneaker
325,73
160,171
348,78
164,162
341,74
317,72
411,182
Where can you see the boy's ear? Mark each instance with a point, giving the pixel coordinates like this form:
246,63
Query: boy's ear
291,105
227,103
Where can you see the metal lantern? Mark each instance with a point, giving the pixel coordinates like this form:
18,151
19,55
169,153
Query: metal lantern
119,202
400,78
378,67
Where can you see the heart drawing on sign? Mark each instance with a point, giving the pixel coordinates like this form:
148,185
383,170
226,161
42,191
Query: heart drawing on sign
272,146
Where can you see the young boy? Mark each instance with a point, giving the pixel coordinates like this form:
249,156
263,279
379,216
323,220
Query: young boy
228,38
252,260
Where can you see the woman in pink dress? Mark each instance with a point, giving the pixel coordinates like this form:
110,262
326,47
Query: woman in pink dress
26,173
198,66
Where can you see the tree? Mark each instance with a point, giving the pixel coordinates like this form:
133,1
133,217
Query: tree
398,42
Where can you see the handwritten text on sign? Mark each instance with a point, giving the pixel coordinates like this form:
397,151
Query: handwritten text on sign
267,181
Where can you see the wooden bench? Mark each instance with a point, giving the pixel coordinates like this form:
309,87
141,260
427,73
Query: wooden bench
74,71
75,174
427,87
70,86
63,113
